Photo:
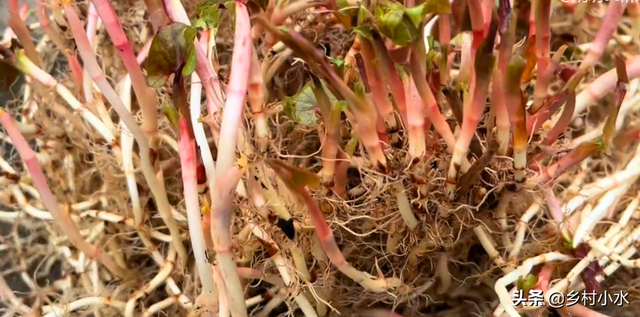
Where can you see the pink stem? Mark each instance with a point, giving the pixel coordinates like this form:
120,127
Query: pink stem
147,97
187,153
8,32
444,37
74,65
487,11
542,83
92,28
92,66
542,15
389,74
430,106
231,123
610,22
415,124
604,85
22,32
61,217
379,90
532,18
472,114
502,114
477,24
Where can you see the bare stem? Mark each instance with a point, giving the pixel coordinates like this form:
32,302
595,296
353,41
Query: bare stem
54,35
22,32
485,60
515,101
188,163
62,217
146,96
231,122
257,101
610,22
543,35
91,64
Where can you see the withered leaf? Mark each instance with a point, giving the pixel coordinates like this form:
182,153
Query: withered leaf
294,178
619,93
530,57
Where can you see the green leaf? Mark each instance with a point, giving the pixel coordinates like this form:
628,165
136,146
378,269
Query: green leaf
294,178
404,25
363,31
209,12
301,107
364,16
339,62
199,24
415,14
527,283
172,114
172,52
393,22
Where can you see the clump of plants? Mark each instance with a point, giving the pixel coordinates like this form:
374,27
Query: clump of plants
378,187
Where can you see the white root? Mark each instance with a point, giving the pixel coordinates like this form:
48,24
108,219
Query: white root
607,200
62,310
521,227
404,205
283,267
506,302
161,277
489,245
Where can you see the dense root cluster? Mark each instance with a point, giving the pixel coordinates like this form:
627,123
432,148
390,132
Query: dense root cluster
449,255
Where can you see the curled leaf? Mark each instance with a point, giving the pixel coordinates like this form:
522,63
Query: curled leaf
172,114
620,92
172,52
591,272
294,178
404,25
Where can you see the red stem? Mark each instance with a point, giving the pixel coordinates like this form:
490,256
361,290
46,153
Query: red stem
477,24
